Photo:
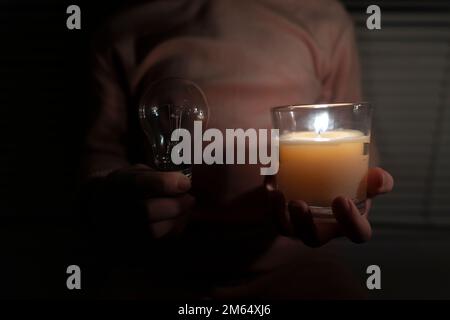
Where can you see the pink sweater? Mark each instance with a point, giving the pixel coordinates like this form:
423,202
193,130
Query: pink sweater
247,56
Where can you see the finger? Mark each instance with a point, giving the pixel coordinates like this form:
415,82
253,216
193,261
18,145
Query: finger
142,181
159,209
303,224
368,205
155,183
162,228
140,167
379,181
355,226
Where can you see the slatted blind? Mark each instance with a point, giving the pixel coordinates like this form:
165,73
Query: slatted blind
406,76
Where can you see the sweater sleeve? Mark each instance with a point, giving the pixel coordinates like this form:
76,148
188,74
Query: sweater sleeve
105,143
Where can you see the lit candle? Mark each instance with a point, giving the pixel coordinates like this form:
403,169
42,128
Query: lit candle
319,165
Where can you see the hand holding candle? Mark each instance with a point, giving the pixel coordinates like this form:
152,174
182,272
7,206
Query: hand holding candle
323,153
324,172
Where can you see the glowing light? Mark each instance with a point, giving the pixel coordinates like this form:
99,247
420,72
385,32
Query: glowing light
321,122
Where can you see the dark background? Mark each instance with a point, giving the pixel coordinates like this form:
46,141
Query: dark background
45,99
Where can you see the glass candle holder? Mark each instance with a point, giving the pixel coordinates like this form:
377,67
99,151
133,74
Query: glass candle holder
324,153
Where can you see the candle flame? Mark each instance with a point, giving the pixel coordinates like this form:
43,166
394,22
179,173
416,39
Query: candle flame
321,123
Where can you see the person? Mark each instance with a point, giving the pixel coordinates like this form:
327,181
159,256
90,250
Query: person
247,56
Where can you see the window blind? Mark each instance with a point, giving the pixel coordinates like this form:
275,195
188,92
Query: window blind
406,76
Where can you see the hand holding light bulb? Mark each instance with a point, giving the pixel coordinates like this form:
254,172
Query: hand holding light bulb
159,191
161,198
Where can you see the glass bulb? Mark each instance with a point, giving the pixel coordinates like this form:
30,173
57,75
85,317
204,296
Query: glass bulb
169,104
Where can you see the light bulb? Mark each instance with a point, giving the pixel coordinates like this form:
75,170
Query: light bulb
170,104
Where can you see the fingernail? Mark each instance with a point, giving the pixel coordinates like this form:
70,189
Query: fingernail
184,183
